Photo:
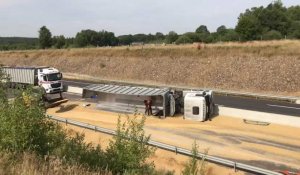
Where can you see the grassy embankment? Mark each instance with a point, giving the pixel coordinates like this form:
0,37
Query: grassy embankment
264,67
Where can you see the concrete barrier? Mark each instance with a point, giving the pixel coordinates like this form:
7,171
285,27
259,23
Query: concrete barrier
260,116
74,90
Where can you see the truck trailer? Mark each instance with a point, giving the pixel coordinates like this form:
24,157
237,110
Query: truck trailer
46,78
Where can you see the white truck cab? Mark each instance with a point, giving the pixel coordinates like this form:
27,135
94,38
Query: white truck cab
50,79
198,105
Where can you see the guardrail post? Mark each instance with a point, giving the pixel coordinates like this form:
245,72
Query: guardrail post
234,166
95,128
176,150
66,122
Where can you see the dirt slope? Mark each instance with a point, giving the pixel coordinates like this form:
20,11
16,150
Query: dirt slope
272,67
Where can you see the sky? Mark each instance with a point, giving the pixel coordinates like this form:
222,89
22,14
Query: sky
67,17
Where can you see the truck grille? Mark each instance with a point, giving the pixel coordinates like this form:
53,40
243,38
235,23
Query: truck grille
56,85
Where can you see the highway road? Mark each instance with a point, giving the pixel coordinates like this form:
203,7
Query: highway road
268,106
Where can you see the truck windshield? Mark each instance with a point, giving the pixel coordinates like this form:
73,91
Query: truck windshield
54,77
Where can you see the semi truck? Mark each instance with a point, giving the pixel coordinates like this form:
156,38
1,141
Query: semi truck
48,79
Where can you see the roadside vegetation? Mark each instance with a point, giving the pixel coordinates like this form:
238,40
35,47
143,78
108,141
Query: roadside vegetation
273,22
32,144
195,166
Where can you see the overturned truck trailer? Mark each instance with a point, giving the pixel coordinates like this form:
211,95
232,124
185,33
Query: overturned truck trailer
195,105
129,99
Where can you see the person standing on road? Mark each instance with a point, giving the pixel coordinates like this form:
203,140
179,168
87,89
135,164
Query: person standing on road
149,107
146,107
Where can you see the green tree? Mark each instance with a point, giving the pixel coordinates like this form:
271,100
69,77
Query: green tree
194,37
230,35
106,38
272,35
125,39
183,39
248,27
93,38
202,30
294,31
171,37
86,37
221,30
59,41
274,17
294,13
159,36
44,37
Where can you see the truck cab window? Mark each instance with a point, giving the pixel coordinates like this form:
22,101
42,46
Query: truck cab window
54,77
44,78
195,110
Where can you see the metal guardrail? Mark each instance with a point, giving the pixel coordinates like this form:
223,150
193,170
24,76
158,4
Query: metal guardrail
177,150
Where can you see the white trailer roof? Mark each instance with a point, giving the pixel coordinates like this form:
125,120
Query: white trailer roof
127,90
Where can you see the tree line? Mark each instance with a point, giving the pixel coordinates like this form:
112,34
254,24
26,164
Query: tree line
272,22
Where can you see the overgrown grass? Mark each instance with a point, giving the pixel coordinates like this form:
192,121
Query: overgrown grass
31,164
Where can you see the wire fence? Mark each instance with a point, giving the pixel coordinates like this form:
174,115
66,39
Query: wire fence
175,149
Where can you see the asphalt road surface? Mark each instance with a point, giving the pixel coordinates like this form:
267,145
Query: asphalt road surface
268,106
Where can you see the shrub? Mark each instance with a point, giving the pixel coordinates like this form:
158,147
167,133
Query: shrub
128,150
23,126
193,166
272,35
75,151
183,40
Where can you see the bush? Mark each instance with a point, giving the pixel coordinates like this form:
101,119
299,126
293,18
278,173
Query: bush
23,126
272,35
183,40
194,167
128,150
75,151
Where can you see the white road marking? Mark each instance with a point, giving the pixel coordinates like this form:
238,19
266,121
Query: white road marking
283,106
